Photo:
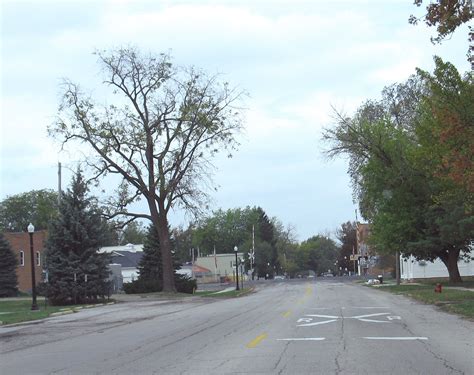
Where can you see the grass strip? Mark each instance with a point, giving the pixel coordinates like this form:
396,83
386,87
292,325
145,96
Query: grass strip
19,310
456,301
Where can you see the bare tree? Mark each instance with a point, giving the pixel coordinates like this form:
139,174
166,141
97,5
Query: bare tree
160,135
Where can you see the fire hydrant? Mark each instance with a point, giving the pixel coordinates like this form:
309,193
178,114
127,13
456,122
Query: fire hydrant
438,288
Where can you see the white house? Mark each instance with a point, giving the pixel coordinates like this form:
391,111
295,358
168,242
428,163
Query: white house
221,266
410,268
128,257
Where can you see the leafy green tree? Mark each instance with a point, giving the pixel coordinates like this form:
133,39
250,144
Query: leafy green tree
133,233
159,135
76,271
347,235
8,278
226,229
397,168
447,16
110,233
318,254
183,242
287,246
36,206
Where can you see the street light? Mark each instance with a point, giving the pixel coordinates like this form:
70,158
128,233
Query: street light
236,269
31,230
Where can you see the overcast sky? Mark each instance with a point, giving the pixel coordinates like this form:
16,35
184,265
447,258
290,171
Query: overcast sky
296,59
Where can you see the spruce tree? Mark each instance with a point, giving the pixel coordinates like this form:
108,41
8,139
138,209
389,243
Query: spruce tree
8,279
150,266
76,271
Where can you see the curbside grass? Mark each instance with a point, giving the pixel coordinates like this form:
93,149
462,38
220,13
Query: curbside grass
458,300
14,311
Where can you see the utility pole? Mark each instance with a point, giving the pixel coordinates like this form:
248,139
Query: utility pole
253,250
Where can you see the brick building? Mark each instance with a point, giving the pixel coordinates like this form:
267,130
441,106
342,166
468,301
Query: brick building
20,243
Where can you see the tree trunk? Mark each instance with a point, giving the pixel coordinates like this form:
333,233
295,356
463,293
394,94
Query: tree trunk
397,267
167,259
451,262
161,225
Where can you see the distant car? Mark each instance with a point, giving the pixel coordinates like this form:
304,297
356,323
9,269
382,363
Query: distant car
310,276
327,274
279,277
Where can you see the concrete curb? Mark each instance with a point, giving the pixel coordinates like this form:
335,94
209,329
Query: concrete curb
59,313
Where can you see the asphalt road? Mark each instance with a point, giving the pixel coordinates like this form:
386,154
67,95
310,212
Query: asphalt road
287,327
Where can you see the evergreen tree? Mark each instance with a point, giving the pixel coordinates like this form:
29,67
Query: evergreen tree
267,235
150,266
76,271
8,279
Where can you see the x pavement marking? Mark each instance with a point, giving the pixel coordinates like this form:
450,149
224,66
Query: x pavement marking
332,318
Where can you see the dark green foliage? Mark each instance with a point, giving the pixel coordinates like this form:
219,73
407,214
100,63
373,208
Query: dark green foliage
133,233
347,235
150,266
143,286
76,271
8,263
36,206
406,174
183,285
267,235
319,254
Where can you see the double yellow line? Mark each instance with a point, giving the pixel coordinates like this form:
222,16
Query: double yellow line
263,336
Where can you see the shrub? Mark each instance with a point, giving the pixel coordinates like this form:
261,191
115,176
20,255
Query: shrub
143,286
183,284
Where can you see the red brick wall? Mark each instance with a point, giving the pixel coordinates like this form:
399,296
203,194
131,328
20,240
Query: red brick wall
21,242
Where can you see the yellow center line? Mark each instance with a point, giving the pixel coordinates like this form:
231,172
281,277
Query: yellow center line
256,340
287,314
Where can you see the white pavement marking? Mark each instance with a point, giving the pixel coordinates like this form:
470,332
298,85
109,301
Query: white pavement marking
323,316
367,315
394,317
366,307
317,323
372,321
396,338
304,339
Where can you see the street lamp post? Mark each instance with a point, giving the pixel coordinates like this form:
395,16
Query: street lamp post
31,230
236,269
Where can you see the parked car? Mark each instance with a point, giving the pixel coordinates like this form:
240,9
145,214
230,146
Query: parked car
279,277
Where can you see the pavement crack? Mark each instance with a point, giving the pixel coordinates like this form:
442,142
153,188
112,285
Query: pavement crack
342,342
283,352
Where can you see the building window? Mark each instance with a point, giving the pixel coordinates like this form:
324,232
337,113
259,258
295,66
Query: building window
38,258
22,258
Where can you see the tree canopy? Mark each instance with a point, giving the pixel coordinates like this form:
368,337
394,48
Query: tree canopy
447,16
159,135
36,206
403,171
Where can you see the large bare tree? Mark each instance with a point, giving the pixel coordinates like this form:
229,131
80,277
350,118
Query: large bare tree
159,136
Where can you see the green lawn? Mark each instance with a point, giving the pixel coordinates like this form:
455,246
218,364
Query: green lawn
19,310
453,300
